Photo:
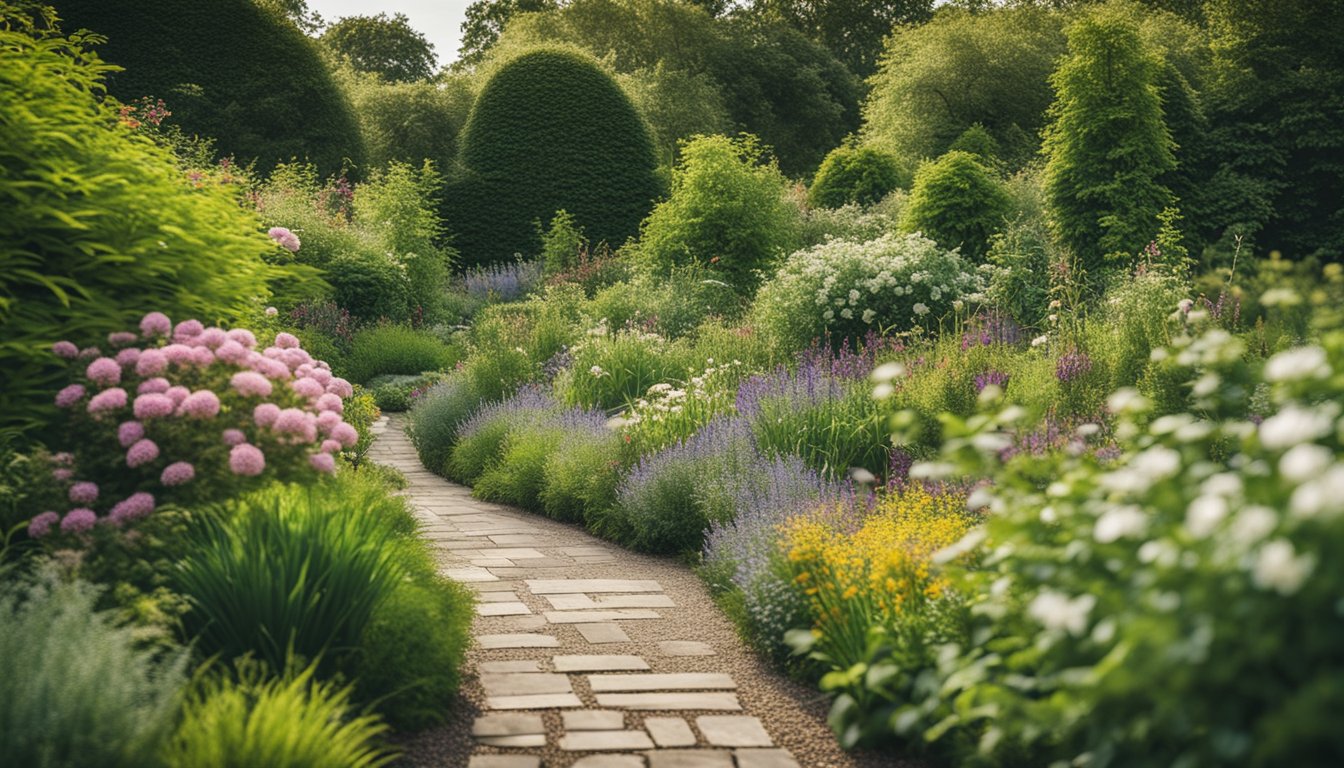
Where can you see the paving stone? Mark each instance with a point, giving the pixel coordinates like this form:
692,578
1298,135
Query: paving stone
672,681
499,667
685,648
634,601
587,617
533,701
765,758
526,538
512,553
603,633
690,758
530,740
502,609
669,731
733,731
594,558
573,586
504,761
497,597
491,562
609,761
521,683
710,702
594,720
599,741
524,623
496,586
577,663
469,574
507,724
521,640
571,602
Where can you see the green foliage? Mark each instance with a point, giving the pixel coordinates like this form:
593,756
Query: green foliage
395,209
561,244
862,175
435,418
292,571
527,153
76,688
613,370
579,477
1107,145
100,223
957,203
852,31
1278,128
409,122
676,104
385,46
369,285
396,349
979,142
291,722
518,477
844,290
726,214
485,21
961,69
230,70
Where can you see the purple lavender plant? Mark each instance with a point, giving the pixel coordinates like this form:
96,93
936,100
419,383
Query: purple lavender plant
990,328
503,282
990,378
1072,365
851,360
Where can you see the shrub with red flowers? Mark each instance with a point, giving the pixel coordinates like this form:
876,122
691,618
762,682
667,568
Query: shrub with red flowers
182,413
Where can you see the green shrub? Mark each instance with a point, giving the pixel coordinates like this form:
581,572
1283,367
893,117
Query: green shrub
518,477
957,203
397,209
673,306
579,477
528,152
561,244
370,285
410,658
850,221
435,417
292,571
396,349
261,90
979,142
77,689
408,122
726,214
100,223
610,371
861,175
477,451
1107,144
285,722
845,290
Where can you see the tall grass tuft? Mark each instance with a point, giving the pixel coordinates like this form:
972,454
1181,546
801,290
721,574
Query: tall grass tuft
292,570
75,690
283,722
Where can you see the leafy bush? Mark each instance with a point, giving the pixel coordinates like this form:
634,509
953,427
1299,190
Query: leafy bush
397,210
850,221
396,349
213,417
371,286
726,213
292,721
100,221
672,306
292,571
957,203
979,142
846,289
408,122
861,175
579,477
261,91
77,689
612,370
527,153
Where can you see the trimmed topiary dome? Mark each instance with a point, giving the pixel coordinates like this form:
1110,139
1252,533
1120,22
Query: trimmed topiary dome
228,70
860,175
550,131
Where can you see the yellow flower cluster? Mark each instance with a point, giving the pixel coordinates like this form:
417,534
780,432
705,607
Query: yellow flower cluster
876,574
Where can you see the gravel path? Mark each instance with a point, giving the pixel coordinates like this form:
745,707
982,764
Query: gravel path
593,656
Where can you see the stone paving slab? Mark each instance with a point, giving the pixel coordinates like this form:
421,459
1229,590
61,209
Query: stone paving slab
580,663
685,648
521,640
606,632
765,758
675,681
610,761
723,702
590,617
733,731
533,701
690,758
522,665
520,683
525,741
507,724
504,761
572,586
669,731
610,741
593,720
502,609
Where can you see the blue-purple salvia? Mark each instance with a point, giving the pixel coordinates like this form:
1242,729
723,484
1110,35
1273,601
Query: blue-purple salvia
1072,365
503,282
990,378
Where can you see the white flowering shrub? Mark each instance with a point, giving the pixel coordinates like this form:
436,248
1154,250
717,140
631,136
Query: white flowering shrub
1177,605
847,288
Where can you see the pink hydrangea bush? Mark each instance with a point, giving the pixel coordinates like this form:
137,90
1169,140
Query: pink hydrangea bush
185,413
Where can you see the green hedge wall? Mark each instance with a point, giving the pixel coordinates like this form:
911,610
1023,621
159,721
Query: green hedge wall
228,70
549,131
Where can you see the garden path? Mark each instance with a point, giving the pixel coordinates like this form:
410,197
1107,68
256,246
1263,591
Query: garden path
592,656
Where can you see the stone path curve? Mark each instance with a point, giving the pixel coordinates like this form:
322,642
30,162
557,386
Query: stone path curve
591,656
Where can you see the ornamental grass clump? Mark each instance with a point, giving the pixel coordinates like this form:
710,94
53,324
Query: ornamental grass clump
186,413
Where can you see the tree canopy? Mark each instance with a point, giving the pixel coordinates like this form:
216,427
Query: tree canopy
387,46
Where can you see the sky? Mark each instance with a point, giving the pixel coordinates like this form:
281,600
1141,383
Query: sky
438,20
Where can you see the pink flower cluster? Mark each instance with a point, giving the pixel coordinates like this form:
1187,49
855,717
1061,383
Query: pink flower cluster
287,239
186,388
